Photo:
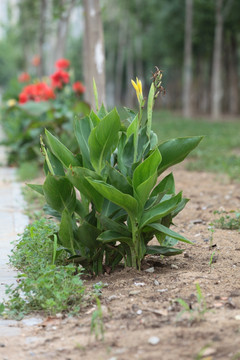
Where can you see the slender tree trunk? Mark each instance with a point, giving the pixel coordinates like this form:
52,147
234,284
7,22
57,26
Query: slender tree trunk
42,32
216,87
122,42
94,57
187,75
233,76
62,30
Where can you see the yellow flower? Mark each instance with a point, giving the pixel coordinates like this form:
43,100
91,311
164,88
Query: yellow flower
138,87
11,102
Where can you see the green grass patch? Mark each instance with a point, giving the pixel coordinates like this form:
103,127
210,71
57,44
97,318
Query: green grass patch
218,152
45,283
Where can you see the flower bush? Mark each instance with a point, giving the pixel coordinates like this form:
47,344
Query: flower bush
121,205
50,102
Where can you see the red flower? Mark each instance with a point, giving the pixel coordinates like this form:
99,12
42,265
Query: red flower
62,64
59,78
36,60
36,92
24,77
78,87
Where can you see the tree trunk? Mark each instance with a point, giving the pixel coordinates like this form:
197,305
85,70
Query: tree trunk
62,30
233,76
216,88
122,42
187,75
42,32
94,57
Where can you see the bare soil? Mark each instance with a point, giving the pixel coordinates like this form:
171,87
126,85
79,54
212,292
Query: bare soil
138,305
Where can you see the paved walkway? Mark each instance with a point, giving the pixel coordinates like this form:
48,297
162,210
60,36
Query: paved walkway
12,222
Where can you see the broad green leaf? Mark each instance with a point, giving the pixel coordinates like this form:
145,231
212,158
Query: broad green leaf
37,188
143,143
82,129
119,181
153,140
126,201
66,231
133,127
110,236
109,224
87,235
163,250
150,108
163,229
102,112
77,176
167,186
145,176
103,140
55,163
59,193
94,118
80,209
61,152
175,150
160,210
180,207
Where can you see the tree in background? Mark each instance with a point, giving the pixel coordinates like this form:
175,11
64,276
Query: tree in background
94,55
187,66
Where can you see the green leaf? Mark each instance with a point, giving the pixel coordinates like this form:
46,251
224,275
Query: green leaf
175,150
77,176
119,181
167,186
126,201
133,127
66,231
180,207
163,229
102,112
113,236
94,118
55,163
109,224
95,94
160,210
103,140
36,108
163,250
61,152
87,235
150,108
82,129
145,176
59,193
37,188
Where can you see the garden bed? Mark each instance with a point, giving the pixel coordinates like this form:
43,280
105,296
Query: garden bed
139,305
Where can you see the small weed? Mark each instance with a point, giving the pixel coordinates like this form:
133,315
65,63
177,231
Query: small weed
236,356
197,313
211,259
228,220
44,283
200,355
212,230
97,326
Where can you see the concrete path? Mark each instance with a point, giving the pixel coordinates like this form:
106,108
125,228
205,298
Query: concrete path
12,222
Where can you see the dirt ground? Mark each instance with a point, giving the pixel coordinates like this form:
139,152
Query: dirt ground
142,319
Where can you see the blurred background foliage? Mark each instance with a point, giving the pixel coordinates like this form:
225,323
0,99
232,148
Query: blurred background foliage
196,43
138,35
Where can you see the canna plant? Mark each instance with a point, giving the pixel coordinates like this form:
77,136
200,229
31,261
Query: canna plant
106,196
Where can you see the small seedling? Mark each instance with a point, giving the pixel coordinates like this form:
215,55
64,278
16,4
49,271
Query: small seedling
198,312
212,230
97,326
211,259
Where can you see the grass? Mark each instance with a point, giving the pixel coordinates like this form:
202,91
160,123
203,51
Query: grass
45,283
227,220
218,152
